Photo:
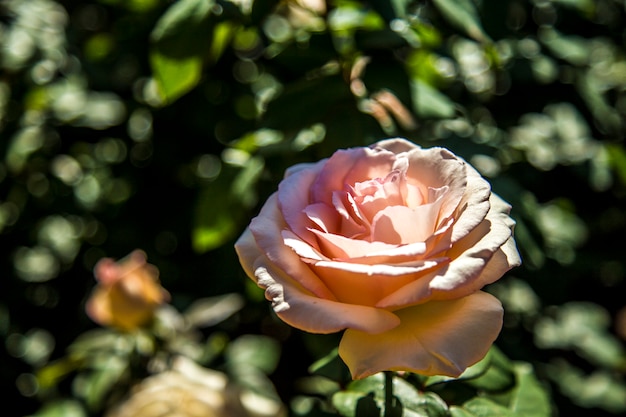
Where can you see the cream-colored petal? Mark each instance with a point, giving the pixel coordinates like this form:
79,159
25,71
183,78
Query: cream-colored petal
266,242
301,309
435,168
436,338
293,201
396,145
402,225
339,247
343,249
349,166
474,205
365,284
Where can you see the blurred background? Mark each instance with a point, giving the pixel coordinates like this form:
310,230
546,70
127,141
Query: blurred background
163,126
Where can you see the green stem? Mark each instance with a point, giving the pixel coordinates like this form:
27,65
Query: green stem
388,393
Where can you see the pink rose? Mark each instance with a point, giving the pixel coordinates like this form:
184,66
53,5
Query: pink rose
127,294
391,243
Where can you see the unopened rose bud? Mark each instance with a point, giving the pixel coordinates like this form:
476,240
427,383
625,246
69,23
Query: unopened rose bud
127,294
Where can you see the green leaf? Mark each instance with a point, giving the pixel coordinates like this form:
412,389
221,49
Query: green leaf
100,382
529,398
499,376
222,204
253,351
481,407
430,102
355,404
181,41
463,15
330,366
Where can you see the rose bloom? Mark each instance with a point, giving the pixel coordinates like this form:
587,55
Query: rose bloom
127,294
189,390
392,243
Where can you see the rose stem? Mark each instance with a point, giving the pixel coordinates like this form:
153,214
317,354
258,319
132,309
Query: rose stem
388,393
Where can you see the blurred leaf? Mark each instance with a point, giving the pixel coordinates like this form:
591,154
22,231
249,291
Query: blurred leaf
349,403
463,15
529,398
330,366
205,312
584,327
97,385
587,7
50,375
222,203
391,9
481,407
100,340
499,376
253,351
608,118
61,408
181,41
601,389
573,49
617,159
323,95
431,103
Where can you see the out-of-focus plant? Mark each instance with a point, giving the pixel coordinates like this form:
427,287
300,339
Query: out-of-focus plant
151,358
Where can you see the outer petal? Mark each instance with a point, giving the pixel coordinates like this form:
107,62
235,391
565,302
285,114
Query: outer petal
299,308
474,205
395,145
293,197
264,240
436,338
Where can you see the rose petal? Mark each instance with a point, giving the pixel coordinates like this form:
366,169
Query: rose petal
396,145
436,168
349,166
474,205
263,240
436,338
401,225
293,201
340,248
300,309
477,260
367,284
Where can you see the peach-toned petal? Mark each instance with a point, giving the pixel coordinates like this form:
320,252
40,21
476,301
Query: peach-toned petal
353,223
367,284
305,311
436,338
349,166
435,168
324,217
401,225
396,145
292,200
474,205
340,248
266,237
